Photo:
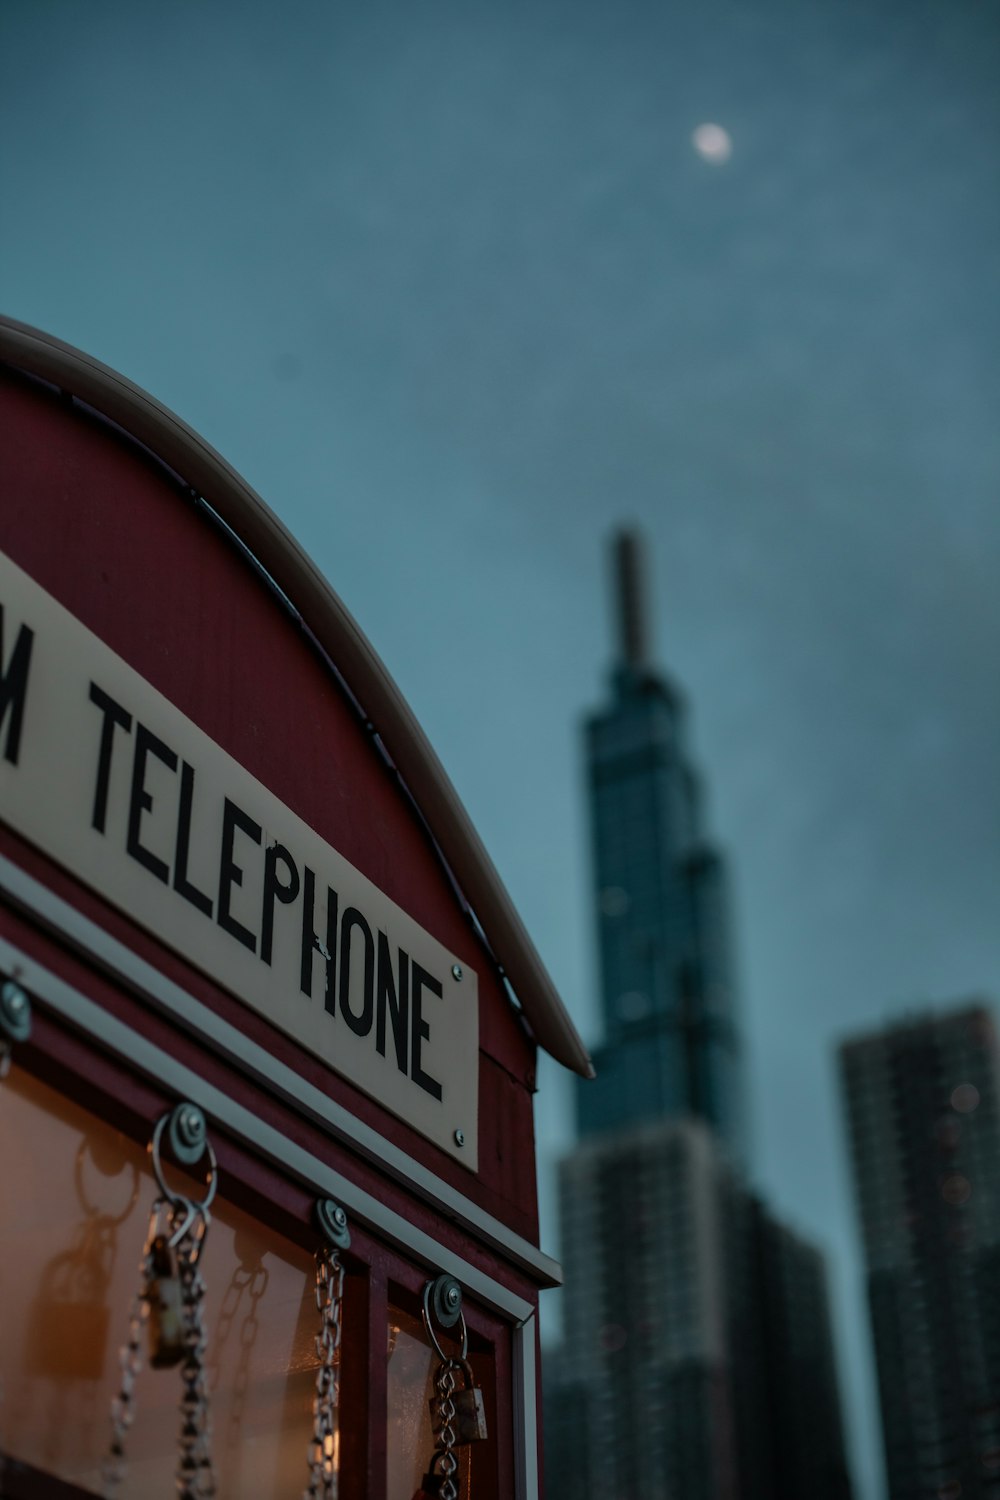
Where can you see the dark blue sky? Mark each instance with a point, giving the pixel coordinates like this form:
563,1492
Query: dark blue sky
449,285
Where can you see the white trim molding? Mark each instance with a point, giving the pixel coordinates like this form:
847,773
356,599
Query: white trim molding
98,947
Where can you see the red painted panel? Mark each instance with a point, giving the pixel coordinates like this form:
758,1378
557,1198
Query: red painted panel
503,1186
76,1066
519,1214
376,1274
102,527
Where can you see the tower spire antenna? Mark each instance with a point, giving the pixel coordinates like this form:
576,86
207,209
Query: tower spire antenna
632,598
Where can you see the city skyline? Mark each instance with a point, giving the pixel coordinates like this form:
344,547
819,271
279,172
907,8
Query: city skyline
697,1336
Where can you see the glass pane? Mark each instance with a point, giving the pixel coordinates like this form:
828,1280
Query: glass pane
75,1197
410,1443
411,1385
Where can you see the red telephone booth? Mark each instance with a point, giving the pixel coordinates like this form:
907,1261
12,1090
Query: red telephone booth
268,1021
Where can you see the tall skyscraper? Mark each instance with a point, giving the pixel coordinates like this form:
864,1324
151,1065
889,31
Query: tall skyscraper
925,1139
697,1361
671,1046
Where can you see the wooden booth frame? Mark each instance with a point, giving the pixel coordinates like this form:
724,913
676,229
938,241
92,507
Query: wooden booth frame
123,1076
122,1029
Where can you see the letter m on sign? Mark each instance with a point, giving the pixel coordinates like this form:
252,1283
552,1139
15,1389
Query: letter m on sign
13,689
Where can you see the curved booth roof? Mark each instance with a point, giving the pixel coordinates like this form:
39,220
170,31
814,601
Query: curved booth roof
284,562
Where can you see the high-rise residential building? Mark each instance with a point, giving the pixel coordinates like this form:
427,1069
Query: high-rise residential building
644,1348
925,1140
697,1359
671,1045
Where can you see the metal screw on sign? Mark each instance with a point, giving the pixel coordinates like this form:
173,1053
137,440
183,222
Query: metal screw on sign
324,1458
456,971
15,1020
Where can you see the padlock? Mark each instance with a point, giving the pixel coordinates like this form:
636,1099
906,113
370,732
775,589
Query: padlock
469,1422
470,1413
432,1482
166,1309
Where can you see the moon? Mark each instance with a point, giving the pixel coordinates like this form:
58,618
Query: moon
713,143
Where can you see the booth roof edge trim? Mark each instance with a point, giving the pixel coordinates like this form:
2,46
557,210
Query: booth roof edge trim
283,559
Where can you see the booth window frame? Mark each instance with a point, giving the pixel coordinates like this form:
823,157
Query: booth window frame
389,1253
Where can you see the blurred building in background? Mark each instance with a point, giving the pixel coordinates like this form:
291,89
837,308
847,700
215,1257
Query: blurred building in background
925,1140
671,1046
697,1361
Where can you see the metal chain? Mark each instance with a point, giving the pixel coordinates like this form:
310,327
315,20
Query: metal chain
445,1463
123,1405
182,1235
195,1479
323,1466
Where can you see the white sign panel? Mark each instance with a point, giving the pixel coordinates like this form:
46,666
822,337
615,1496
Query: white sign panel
105,775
